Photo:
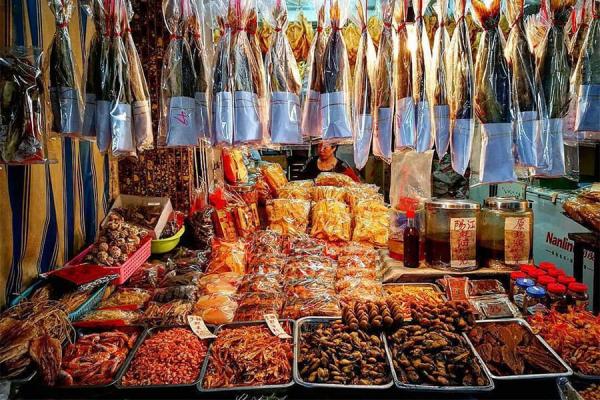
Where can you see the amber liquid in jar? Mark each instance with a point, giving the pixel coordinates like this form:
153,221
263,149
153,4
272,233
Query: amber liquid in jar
437,250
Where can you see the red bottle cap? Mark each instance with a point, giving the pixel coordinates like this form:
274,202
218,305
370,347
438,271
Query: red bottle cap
527,268
547,265
565,280
536,273
410,214
556,272
578,287
557,288
517,275
546,280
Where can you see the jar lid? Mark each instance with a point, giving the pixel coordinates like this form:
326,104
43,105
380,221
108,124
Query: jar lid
452,204
556,272
578,287
557,288
518,275
547,265
536,273
536,292
507,203
565,279
525,282
546,280
527,268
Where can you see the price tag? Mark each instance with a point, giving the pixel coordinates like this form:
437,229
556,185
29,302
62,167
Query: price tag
199,327
275,326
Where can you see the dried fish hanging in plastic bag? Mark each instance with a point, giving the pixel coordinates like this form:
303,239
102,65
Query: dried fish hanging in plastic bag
103,77
201,67
247,124
140,96
259,74
439,83
122,141
222,95
362,118
492,98
22,126
461,92
65,96
526,93
383,110
588,91
177,125
283,79
581,28
94,9
312,119
335,94
405,114
555,72
422,55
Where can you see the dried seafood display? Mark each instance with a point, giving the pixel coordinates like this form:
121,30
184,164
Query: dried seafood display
440,90
584,208
407,295
373,315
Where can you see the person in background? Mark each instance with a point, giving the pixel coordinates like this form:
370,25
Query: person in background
326,161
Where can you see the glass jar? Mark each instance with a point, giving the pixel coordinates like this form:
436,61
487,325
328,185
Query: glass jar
398,221
556,272
534,300
536,274
545,280
513,282
451,234
566,280
557,297
505,234
521,287
577,295
547,265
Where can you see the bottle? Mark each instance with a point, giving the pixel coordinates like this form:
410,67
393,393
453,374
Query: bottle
578,295
535,299
513,281
411,241
557,297
521,286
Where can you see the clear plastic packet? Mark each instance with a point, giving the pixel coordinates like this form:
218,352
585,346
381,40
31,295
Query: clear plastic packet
202,69
95,10
200,227
580,25
129,298
438,82
555,72
216,308
461,84
304,245
485,287
103,77
246,76
179,278
64,87
492,99
328,193
107,318
223,283
364,251
411,176
283,79
405,111
318,305
331,221
334,179
264,243
336,98
351,289
222,85
253,306
362,117
228,257
262,283
266,264
22,125
384,81
274,175
260,74
312,118
171,313
309,288
361,192
356,265
167,294
456,289
140,96
147,276
371,223
309,266
295,192
177,127
288,216
526,95
421,57
497,307
588,91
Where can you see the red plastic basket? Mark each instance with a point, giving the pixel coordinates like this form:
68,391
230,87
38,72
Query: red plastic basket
79,272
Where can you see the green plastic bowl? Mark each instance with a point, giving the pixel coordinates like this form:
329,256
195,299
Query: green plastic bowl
161,246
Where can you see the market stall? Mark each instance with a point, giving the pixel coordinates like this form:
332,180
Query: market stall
214,274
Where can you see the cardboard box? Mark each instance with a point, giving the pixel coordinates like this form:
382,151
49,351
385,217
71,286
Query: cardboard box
127,201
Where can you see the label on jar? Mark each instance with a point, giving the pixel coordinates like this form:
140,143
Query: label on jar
518,299
199,327
463,242
517,242
275,327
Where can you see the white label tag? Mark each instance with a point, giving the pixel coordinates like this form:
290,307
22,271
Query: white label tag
463,241
275,327
199,327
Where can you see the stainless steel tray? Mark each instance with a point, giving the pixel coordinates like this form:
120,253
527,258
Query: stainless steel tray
522,322
141,340
446,389
265,388
314,320
569,388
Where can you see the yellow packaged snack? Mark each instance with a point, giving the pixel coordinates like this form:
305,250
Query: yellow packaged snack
328,193
371,223
292,191
228,257
334,179
288,216
331,220
274,175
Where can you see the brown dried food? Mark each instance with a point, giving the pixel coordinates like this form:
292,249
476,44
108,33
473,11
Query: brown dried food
46,352
372,315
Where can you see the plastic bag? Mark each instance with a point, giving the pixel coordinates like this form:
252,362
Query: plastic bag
253,306
492,99
335,95
262,283
316,305
126,298
294,192
384,88
283,79
411,176
177,278
223,283
228,257
288,216
422,56
312,118
461,94
215,308
222,89
579,29
371,223
439,90
202,69
334,179
167,294
274,175
147,276
331,221
309,266
304,245
266,264
95,10
103,77
357,266
246,76
362,118
177,103
328,193
22,124
264,243
171,313
64,87
351,289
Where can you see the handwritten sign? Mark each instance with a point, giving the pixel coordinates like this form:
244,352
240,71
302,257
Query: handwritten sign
463,241
275,327
199,327
517,240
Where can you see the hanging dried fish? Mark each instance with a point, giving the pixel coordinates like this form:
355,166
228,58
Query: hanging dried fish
201,67
581,30
311,108
64,87
526,95
461,92
421,56
103,78
259,74
405,118
283,79
492,98
439,82
95,10
335,92
363,91
222,94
